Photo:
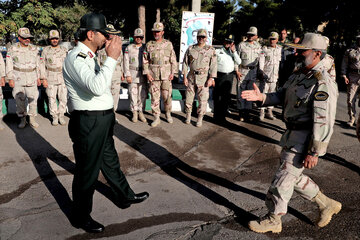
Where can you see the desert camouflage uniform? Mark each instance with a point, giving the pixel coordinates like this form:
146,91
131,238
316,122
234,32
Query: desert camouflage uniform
201,64
116,78
51,70
269,63
2,74
309,114
249,54
159,61
133,58
351,68
23,66
329,66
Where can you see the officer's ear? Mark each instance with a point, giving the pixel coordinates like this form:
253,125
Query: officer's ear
90,35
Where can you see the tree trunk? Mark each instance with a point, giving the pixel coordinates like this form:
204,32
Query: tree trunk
141,14
158,19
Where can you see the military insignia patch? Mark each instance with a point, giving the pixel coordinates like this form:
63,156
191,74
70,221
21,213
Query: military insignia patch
50,60
321,96
16,59
81,54
318,75
90,54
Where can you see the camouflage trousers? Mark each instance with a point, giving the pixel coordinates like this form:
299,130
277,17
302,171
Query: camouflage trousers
137,92
115,92
352,89
163,88
202,94
267,87
289,177
20,93
1,99
57,92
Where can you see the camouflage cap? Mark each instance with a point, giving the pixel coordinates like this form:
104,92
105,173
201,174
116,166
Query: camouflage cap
274,35
202,33
138,32
230,38
252,31
310,41
112,30
158,26
54,34
327,40
25,33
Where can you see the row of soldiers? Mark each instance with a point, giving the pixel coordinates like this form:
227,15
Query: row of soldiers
155,64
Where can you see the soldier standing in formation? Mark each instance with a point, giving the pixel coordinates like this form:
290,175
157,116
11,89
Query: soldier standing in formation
309,97
23,72
269,67
159,65
118,74
249,53
199,70
53,57
227,59
2,84
350,71
133,58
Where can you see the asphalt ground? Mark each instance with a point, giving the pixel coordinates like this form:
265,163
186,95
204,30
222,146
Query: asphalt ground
204,183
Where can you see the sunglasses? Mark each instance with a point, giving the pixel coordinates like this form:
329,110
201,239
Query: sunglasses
139,37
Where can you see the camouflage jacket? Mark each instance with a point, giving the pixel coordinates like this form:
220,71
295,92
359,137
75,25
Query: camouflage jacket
199,64
119,69
351,60
23,65
52,60
269,62
159,60
309,109
133,58
2,67
249,53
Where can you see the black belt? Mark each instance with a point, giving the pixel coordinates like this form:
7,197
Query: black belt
250,67
233,72
199,72
299,125
354,70
93,113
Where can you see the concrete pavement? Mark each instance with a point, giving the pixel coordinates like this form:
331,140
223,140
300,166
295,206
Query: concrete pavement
204,183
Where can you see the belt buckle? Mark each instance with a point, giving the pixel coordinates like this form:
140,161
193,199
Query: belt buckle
196,72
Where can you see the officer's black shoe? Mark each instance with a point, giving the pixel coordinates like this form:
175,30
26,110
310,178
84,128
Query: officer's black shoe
90,226
138,198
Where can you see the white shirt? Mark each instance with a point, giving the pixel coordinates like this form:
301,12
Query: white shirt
88,85
226,60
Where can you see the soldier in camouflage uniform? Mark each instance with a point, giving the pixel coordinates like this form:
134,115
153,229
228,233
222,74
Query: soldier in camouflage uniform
350,71
133,58
269,67
159,65
23,73
329,62
199,70
2,84
309,97
118,74
249,53
52,58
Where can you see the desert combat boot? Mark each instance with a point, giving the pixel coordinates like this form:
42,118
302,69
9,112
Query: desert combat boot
168,117
328,207
269,223
32,122
188,118
141,116
135,117
22,123
156,121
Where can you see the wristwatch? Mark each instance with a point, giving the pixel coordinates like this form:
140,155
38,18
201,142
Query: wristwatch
314,154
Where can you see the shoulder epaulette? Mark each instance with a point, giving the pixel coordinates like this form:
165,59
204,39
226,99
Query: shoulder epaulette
81,54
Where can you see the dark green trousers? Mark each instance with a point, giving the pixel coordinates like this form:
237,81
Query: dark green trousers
94,150
222,94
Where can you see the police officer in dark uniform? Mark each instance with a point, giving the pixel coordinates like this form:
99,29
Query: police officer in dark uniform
92,121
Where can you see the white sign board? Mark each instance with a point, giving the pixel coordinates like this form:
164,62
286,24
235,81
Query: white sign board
191,23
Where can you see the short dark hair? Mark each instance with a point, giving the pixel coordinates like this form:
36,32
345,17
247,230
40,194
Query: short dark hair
82,34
